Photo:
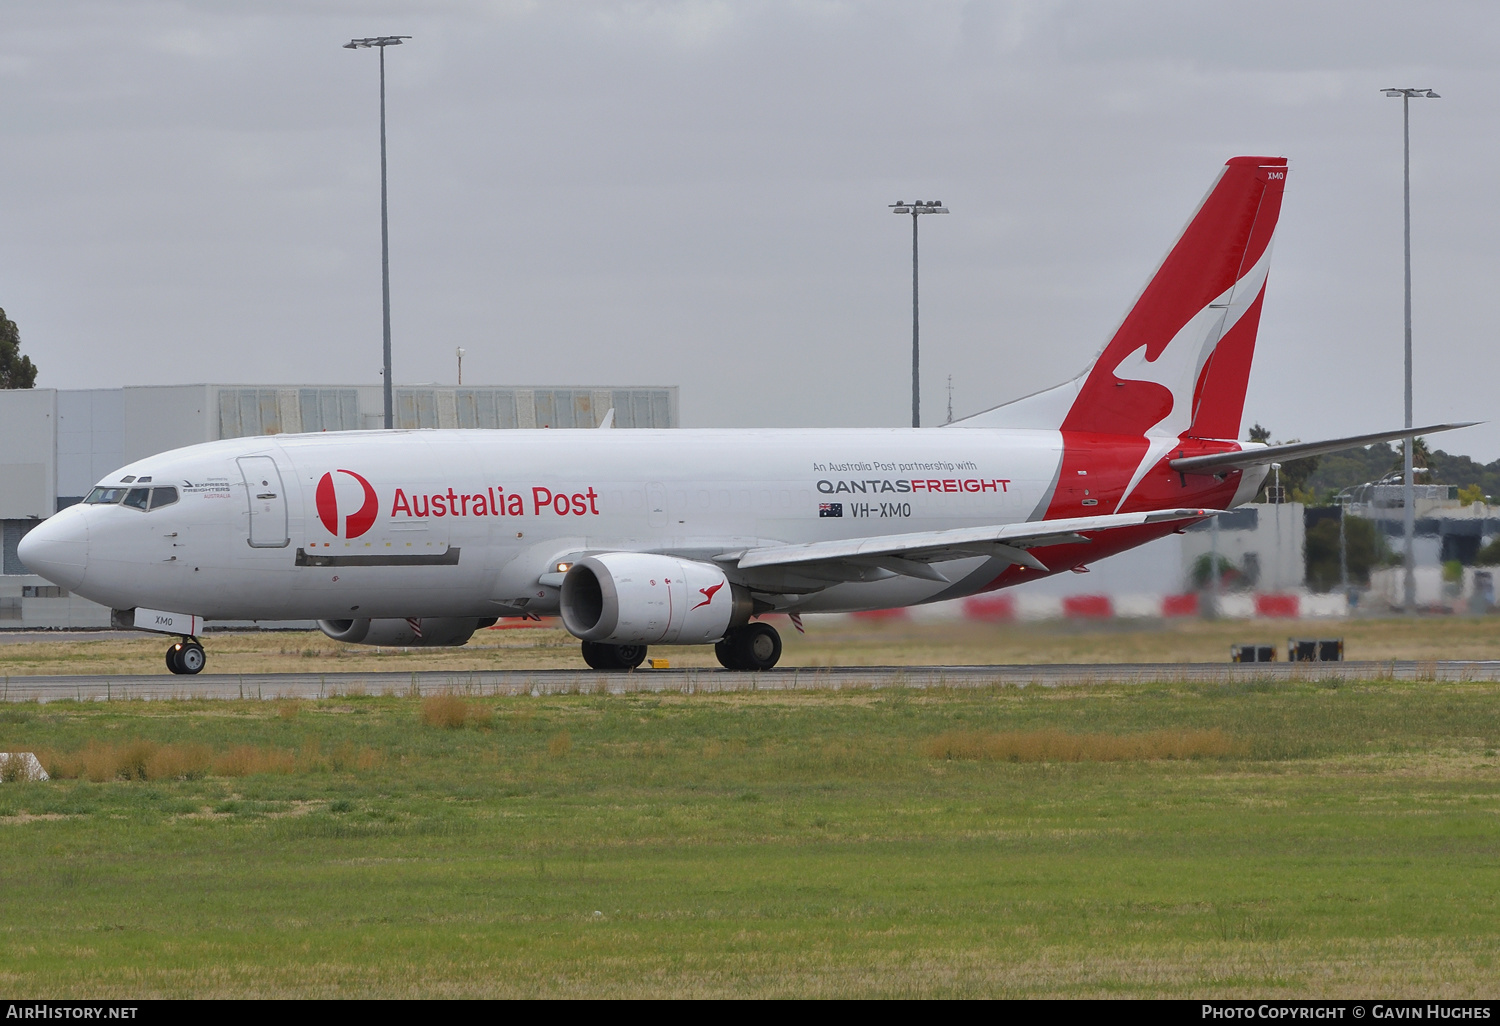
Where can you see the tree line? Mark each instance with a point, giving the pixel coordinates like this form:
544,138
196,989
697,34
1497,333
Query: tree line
16,370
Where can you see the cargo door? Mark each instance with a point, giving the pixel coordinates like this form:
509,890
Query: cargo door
267,499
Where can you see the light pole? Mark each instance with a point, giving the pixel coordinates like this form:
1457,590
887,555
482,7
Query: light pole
460,352
380,43
1408,499
916,209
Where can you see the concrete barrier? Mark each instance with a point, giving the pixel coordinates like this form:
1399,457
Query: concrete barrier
20,766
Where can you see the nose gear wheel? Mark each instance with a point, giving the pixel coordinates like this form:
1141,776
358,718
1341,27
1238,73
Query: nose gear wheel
186,657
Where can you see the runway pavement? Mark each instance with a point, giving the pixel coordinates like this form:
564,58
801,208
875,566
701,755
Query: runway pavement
689,681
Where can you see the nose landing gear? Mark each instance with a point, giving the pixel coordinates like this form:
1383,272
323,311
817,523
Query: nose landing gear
186,656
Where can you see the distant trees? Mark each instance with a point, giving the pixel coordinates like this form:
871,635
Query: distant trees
1464,472
1364,546
1294,473
1421,460
1230,576
1352,467
1338,470
16,371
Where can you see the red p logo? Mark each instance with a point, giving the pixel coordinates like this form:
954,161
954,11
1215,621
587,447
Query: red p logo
356,523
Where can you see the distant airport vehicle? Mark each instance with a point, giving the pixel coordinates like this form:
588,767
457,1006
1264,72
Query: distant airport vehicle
688,537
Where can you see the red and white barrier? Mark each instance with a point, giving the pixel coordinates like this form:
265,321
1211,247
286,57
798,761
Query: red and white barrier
1007,607
1017,606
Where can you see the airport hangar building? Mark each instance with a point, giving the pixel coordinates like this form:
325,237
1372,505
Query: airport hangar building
55,444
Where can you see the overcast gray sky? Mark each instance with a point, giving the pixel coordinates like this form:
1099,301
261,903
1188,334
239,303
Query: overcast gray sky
695,194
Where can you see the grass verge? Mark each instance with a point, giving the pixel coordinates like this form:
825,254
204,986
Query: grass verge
1251,840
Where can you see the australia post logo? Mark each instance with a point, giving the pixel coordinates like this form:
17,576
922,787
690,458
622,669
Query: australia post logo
348,506
359,510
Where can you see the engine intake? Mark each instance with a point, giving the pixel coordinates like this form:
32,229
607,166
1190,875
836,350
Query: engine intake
637,598
419,632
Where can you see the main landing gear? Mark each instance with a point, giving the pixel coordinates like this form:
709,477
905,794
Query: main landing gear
613,657
755,646
186,656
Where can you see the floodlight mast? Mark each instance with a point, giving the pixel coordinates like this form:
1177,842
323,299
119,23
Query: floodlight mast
915,209
1408,491
380,43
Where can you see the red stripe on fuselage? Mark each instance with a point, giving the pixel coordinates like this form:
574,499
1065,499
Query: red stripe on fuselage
1161,488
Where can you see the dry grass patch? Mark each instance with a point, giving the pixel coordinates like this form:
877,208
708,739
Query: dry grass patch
129,760
451,712
1061,746
248,760
147,760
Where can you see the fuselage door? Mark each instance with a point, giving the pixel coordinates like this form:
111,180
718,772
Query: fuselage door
267,502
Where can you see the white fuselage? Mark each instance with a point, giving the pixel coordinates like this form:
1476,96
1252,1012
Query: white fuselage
474,522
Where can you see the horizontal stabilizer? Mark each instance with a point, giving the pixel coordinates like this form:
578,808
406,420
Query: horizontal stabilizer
1261,455
1007,541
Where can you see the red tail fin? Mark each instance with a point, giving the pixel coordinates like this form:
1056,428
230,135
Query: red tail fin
1180,362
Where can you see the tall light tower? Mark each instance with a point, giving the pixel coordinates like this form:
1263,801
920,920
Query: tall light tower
380,43
1408,493
916,209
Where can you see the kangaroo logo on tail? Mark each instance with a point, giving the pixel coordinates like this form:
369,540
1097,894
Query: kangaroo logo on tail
1180,367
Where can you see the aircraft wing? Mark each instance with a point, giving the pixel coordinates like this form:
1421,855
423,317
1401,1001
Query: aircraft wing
910,554
1215,462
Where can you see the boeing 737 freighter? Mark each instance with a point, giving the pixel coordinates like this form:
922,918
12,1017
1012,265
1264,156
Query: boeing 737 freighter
688,537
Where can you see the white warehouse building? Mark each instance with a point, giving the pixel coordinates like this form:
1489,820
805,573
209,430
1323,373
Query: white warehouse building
55,444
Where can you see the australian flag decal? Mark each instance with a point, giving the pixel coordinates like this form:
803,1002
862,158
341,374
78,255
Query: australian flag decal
830,509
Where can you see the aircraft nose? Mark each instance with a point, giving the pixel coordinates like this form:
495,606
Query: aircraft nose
58,548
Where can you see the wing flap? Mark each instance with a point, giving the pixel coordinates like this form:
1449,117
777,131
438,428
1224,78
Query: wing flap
895,552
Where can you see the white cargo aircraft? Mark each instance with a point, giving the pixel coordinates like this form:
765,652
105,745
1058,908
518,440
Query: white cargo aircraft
687,537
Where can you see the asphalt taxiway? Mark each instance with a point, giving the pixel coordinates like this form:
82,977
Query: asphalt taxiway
691,681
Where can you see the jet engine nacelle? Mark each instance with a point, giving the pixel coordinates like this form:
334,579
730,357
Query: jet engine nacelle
423,632
636,598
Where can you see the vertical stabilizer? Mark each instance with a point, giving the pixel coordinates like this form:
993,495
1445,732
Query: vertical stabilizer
1179,363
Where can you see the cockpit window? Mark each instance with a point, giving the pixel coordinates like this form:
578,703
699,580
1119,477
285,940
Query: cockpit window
136,498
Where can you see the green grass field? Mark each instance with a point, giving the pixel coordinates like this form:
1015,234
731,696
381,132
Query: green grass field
1333,841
